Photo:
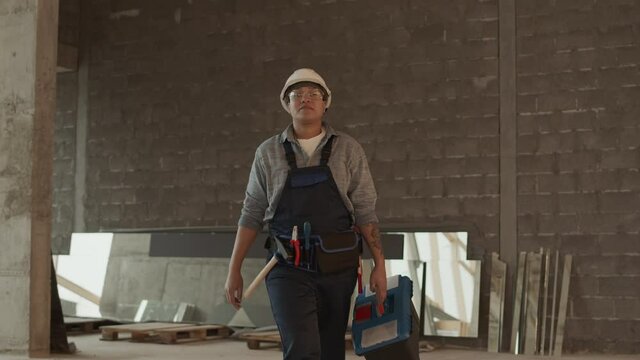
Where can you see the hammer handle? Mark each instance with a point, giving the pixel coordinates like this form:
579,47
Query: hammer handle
261,275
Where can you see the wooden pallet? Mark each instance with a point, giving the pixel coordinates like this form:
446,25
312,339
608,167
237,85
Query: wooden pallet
270,339
78,326
138,332
256,339
193,333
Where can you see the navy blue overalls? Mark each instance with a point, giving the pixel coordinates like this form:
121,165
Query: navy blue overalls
311,309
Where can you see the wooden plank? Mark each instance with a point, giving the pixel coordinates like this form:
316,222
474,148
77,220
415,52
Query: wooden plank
193,333
138,332
41,138
562,306
517,306
78,290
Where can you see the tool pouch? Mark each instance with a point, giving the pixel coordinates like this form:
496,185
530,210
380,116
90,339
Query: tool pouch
336,252
329,253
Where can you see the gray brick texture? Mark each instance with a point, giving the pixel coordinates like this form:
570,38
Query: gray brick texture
579,158
64,155
171,141
182,92
63,211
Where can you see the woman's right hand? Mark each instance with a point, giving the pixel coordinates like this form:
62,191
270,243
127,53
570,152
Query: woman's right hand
233,288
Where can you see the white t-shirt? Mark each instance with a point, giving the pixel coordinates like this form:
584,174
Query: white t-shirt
309,145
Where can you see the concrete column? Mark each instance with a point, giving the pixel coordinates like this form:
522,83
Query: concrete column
28,39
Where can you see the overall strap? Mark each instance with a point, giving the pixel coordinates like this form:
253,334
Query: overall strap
326,152
291,156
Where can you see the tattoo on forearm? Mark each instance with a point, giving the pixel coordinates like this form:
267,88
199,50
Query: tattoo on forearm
374,239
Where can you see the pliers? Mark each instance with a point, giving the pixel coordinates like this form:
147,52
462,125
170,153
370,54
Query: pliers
296,245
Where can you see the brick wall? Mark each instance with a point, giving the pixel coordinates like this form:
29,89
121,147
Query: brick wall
68,22
64,163
578,158
181,95
182,92
65,135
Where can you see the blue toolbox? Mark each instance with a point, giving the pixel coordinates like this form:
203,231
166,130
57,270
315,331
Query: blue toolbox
394,333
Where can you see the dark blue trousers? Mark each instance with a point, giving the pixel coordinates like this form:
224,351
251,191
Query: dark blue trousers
311,311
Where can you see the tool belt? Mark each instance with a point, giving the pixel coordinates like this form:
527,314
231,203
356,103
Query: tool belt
327,253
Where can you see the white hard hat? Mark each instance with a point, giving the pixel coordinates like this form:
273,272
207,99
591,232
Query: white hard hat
304,75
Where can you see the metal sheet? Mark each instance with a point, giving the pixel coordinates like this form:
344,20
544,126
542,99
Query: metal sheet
428,327
517,306
562,305
475,312
532,295
415,273
553,304
496,303
545,301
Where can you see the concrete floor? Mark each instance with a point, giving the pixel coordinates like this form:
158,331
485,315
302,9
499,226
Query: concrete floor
90,347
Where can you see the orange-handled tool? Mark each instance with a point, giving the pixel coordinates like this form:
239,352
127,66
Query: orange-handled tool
360,274
296,245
